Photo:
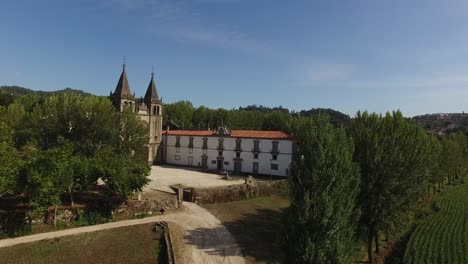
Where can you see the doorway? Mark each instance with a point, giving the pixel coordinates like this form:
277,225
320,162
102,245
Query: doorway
220,164
237,167
255,168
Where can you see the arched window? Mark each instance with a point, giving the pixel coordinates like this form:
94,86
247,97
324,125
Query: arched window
154,110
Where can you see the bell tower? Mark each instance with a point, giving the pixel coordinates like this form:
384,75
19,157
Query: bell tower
122,97
154,109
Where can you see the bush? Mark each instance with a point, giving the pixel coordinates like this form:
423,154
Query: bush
90,218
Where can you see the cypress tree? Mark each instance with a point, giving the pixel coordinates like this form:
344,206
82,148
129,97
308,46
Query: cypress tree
324,184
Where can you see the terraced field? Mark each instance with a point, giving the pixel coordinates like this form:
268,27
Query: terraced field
443,236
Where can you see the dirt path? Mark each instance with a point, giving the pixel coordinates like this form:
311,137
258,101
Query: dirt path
205,239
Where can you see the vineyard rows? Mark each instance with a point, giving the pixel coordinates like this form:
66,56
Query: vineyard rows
443,236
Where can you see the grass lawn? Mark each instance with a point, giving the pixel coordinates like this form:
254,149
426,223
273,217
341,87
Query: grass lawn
255,224
133,244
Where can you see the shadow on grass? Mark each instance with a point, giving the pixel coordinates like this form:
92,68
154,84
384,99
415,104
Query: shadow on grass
257,235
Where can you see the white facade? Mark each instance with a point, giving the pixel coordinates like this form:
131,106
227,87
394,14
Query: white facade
264,160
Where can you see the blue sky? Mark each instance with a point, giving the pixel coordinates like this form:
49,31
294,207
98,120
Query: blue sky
347,55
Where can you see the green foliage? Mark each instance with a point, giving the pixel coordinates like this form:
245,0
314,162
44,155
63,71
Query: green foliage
10,161
46,175
394,156
253,117
64,144
90,217
324,184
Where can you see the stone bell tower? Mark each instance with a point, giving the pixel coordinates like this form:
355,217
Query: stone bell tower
153,116
122,96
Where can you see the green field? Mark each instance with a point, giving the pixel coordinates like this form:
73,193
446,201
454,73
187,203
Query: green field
443,236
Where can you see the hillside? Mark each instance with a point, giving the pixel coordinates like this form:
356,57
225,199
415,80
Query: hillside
17,90
443,123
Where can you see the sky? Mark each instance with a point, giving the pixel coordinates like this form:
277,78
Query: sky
348,55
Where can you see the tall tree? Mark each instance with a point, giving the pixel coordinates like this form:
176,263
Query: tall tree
10,161
393,155
324,182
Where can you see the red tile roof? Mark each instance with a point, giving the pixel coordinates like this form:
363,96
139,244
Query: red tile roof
234,133
259,134
189,132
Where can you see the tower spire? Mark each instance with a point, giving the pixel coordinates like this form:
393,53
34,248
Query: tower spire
152,72
123,65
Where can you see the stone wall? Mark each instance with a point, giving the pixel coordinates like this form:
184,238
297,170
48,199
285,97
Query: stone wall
132,207
233,193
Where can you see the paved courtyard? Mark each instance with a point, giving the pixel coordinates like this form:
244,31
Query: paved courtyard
162,177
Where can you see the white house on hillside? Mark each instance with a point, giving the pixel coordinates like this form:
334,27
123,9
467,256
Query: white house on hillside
241,151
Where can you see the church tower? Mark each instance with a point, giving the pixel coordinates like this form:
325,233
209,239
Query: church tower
122,97
154,116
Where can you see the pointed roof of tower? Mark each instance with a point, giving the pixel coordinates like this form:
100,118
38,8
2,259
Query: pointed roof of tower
123,88
151,92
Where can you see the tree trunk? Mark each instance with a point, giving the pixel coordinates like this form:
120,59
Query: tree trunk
72,202
369,247
55,216
376,238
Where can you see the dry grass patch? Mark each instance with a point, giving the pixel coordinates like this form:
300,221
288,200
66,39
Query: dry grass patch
255,224
133,244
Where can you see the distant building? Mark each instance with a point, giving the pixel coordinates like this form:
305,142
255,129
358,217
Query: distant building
149,109
240,151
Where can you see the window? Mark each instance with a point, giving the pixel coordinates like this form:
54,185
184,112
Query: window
190,144
274,147
220,153
205,143
256,145
237,155
238,144
177,157
274,157
221,144
213,162
255,156
274,166
177,144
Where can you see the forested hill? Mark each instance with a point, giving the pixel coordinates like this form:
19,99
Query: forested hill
17,90
251,117
443,123
8,94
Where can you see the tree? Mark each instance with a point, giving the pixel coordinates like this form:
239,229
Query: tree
46,175
324,182
180,112
10,161
279,121
393,155
123,174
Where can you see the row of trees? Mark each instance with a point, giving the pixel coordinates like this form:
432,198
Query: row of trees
361,182
253,117
64,144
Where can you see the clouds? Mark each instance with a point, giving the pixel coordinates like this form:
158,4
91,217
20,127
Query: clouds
327,72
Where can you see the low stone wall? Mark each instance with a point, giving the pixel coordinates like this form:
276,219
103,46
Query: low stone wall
132,207
239,192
